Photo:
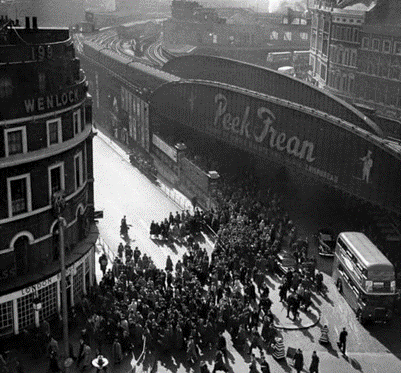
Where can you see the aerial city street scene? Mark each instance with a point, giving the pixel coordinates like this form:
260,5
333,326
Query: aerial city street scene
200,186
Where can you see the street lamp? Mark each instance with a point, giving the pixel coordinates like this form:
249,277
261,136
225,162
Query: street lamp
58,202
37,306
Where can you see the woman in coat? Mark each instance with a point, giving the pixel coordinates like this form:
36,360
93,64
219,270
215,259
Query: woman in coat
117,352
86,357
298,361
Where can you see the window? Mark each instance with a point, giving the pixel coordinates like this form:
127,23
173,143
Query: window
274,35
76,121
285,20
351,83
303,21
325,47
397,48
395,72
355,35
19,194
313,41
287,36
78,170
42,82
376,44
15,141
56,178
365,43
53,131
353,58
323,71
386,46
303,35
6,87
6,317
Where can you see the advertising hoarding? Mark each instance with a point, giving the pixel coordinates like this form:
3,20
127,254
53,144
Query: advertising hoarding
315,145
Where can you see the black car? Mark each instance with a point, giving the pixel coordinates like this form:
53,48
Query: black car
326,242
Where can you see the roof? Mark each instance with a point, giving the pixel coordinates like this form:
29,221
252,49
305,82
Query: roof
367,251
154,72
268,81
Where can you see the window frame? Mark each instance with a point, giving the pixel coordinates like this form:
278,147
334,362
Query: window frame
378,44
389,46
24,140
81,175
76,126
368,42
287,36
62,177
28,196
59,133
397,43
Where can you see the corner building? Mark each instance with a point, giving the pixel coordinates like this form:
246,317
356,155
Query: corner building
45,147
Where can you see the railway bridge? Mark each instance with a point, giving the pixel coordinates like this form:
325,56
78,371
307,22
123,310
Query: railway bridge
278,119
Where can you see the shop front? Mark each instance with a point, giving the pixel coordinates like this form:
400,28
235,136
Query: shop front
18,311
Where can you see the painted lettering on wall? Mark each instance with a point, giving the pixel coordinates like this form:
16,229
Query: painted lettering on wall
263,132
42,103
36,287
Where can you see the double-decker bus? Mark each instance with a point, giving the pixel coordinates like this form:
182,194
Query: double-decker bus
364,276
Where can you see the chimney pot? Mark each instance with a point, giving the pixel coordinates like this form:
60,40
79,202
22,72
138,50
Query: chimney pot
27,23
35,23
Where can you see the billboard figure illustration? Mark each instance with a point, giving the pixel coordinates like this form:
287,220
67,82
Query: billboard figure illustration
367,165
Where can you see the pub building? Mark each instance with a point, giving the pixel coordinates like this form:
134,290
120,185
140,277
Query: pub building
45,150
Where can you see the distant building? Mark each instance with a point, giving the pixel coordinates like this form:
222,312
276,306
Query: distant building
194,25
356,53
45,149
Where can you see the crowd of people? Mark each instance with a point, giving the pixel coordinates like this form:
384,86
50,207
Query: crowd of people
188,307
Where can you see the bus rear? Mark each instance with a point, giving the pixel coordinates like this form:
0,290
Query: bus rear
364,276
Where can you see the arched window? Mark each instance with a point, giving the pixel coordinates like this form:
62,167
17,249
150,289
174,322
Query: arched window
21,253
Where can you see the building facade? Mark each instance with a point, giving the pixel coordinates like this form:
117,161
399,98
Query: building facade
45,149
356,54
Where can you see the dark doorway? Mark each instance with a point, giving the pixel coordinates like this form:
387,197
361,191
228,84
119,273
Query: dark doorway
21,248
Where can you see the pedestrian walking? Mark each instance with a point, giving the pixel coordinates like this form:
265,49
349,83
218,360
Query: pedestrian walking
252,366
264,366
342,343
314,365
219,363
86,358
203,368
53,365
298,361
117,352
103,263
80,351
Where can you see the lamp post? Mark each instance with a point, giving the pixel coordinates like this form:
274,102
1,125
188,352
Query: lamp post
37,306
58,207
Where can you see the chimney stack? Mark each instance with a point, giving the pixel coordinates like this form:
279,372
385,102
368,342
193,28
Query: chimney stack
35,23
27,23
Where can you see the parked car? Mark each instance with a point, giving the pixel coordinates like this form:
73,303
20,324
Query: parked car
326,242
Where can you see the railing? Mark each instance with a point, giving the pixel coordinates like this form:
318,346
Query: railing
101,245
177,197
